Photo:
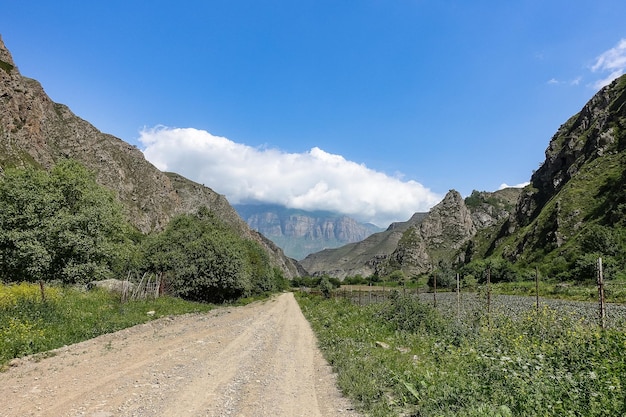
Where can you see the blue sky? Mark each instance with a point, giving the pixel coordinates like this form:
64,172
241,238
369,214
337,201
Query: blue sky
375,107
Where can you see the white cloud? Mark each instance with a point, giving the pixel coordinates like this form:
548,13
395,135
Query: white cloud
313,180
612,62
521,185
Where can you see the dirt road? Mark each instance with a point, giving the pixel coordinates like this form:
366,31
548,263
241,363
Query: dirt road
257,360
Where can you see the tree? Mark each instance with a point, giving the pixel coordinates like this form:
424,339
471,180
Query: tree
60,225
326,286
206,260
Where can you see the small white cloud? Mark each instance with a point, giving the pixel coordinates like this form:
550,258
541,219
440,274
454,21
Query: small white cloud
553,81
313,180
521,185
608,79
612,61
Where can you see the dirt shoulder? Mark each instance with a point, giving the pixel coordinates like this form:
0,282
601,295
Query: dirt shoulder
257,360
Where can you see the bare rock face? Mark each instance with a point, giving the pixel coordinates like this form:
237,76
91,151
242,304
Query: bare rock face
592,133
35,131
363,258
420,244
444,230
299,232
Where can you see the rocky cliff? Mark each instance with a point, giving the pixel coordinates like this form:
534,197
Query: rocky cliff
581,182
300,232
423,242
38,132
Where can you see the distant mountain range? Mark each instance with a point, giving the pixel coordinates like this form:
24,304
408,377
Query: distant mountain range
300,232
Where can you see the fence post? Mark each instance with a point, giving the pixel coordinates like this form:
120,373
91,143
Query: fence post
489,297
537,287
43,292
435,290
601,294
458,297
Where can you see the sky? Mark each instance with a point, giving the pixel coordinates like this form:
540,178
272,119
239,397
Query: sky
371,108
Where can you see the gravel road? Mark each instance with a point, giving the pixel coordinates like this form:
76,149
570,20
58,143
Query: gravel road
257,360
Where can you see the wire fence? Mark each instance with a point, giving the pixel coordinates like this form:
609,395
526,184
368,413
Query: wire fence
461,302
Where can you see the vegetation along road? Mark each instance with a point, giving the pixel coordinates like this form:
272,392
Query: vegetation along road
257,360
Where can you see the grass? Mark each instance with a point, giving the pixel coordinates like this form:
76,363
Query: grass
29,325
428,364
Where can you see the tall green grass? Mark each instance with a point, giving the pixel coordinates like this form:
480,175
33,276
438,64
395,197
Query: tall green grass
68,315
404,358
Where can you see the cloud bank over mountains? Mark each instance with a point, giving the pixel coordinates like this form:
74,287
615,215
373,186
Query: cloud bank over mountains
312,180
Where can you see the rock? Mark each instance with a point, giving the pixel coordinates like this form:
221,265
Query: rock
113,285
382,345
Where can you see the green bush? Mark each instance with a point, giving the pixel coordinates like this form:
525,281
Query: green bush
205,260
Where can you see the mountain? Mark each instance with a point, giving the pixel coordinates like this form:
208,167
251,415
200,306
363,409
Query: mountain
420,244
300,232
359,258
35,131
572,212
575,205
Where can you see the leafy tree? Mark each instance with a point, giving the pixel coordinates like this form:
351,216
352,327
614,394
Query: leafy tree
355,280
203,259
60,225
264,278
326,286
206,260
601,239
397,276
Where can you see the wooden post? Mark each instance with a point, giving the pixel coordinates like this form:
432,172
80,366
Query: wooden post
537,287
43,292
360,296
458,297
489,297
435,290
601,294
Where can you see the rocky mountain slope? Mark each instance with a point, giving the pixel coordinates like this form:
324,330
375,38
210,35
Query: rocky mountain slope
573,212
35,131
360,258
576,202
300,232
420,244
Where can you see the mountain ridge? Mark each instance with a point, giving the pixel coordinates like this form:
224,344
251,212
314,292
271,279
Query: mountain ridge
300,232
572,212
36,131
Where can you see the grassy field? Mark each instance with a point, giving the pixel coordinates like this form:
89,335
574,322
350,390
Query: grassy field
404,358
30,325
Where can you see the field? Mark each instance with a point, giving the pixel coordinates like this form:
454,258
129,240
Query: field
403,357
68,315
